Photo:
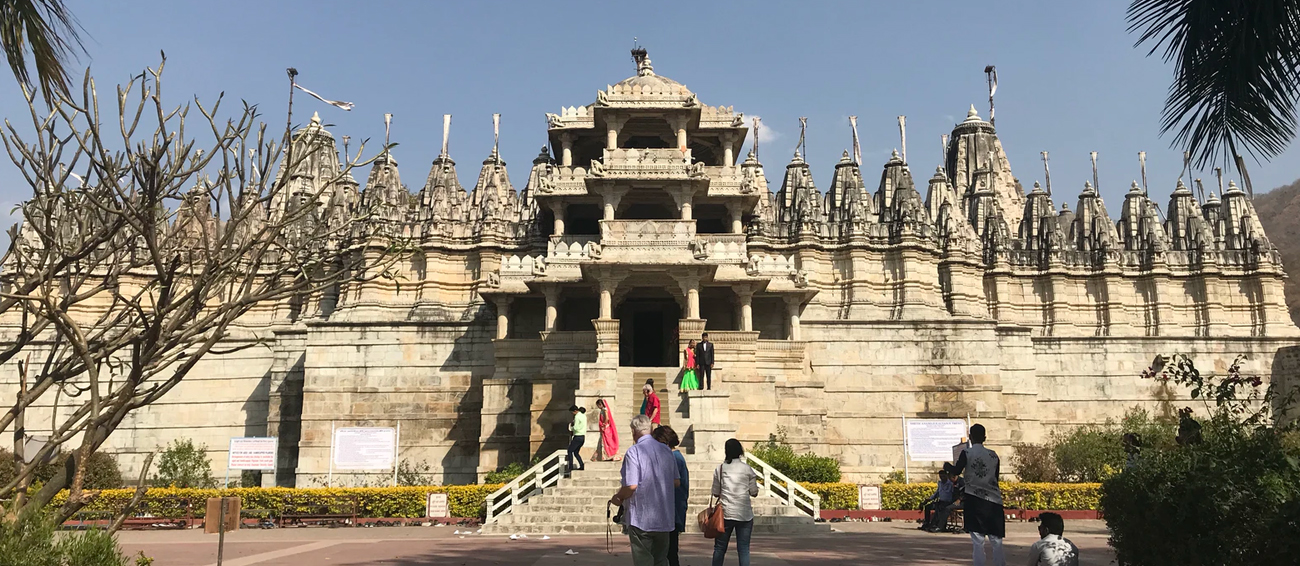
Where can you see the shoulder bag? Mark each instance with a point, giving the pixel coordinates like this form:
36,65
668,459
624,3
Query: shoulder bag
711,521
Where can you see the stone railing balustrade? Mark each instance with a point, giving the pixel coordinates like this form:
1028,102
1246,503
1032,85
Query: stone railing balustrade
652,233
545,474
522,266
563,249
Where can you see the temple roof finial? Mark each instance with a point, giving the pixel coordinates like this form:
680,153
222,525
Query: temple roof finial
643,66
315,118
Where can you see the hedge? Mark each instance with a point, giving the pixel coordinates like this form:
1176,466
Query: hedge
404,502
1033,496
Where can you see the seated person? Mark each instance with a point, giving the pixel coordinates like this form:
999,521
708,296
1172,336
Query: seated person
942,502
1053,549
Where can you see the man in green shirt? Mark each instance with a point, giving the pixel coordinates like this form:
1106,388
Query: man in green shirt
579,430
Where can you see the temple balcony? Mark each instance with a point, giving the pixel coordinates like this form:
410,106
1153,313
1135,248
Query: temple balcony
572,248
653,163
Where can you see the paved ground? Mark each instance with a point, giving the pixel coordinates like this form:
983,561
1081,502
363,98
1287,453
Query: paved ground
867,544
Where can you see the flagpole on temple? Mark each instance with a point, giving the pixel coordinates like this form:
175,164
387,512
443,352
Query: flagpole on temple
288,122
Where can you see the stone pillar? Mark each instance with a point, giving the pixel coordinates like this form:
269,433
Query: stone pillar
693,300
728,154
503,317
746,309
686,209
737,227
566,155
681,137
552,294
606,301
614,125
557,209
792,305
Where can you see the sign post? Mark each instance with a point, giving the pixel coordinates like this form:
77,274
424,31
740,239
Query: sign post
436,506
930,440
364,448
870,497
251,453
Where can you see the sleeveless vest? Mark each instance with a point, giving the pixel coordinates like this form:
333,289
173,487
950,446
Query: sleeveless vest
982,466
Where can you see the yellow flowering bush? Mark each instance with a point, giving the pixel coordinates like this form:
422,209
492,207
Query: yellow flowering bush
404,502
1018,495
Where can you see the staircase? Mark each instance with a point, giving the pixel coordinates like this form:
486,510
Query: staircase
577,505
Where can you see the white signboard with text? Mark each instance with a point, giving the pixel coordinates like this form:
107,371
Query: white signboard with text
870,497
931,440
361,448
436,506
252,453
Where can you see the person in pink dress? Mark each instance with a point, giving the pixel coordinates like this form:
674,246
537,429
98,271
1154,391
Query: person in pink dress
608,448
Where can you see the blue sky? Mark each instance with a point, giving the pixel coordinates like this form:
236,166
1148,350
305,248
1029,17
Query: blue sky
1070,80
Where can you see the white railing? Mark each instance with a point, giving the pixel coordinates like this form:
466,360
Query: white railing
777,485
545,474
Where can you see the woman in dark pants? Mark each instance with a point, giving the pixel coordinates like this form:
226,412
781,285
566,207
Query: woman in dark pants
579,429
735,484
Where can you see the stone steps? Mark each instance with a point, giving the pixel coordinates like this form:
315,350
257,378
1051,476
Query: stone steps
577,505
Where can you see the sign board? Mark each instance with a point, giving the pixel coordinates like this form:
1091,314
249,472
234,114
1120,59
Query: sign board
956,451
869,497
436,506
358,448
252,453
931,440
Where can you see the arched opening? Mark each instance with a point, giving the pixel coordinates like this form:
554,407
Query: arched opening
648,328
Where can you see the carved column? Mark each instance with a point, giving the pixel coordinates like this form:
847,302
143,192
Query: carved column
614,125
557,209
612,197
552,293
693,301
503,317
737,226
679,123
683,197
746,297
728,154
792,306
566,143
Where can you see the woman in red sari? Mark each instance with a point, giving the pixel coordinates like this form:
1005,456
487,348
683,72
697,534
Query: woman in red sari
608,447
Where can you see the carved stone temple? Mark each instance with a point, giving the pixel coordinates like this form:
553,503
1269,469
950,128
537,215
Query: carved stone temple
834,312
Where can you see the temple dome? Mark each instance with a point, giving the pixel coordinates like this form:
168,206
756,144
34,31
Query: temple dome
646,77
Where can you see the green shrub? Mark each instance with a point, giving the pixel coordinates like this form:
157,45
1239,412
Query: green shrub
101,470
1034,463
506,474
802,468
30,540
1015,495
416,473
1221,501
896,476
185,465
1095,452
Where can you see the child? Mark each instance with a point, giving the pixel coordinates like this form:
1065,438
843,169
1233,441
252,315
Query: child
1053,549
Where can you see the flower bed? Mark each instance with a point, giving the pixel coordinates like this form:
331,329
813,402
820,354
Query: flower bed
386,502
1031,496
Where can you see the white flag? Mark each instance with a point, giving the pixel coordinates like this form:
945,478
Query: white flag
335,103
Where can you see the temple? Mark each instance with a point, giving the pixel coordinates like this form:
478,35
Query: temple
834,313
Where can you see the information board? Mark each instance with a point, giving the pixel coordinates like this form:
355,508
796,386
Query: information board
436,506
869,497
252,453
931,440
358,448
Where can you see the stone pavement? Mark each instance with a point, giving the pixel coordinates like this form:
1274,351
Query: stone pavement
868,544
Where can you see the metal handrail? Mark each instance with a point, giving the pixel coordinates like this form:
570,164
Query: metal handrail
795,495
545,474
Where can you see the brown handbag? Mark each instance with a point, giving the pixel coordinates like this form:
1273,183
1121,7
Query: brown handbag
711,521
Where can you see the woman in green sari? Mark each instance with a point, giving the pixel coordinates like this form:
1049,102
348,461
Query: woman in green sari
689,380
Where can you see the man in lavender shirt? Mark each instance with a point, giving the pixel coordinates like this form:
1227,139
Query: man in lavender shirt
649,476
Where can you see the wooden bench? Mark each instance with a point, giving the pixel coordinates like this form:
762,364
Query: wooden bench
317,510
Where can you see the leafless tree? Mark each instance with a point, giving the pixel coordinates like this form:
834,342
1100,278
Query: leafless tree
149,238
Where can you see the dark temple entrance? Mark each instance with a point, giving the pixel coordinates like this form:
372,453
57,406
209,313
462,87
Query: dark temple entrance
648,330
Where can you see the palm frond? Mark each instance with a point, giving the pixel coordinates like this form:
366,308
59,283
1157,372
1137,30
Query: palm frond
48,29
1236,75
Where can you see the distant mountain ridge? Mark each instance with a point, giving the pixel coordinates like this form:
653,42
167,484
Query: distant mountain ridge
1279,212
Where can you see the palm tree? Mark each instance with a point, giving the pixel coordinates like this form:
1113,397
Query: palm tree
49,31
1236,74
